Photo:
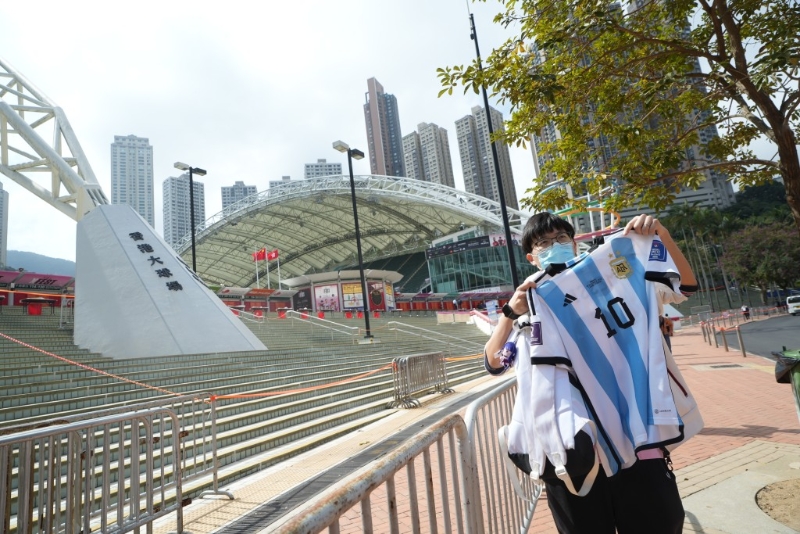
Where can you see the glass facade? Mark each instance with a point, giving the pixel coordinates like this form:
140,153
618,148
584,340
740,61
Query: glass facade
476,269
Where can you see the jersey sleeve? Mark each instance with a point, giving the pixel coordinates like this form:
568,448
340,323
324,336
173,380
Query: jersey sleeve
546,346
661,269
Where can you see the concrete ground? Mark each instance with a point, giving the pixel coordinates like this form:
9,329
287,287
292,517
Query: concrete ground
750,440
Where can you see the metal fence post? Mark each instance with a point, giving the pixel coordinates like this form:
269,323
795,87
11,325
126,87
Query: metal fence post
741,342
714,335
724,339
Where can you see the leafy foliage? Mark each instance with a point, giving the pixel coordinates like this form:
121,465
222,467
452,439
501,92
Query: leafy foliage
760,204
764,255
630,104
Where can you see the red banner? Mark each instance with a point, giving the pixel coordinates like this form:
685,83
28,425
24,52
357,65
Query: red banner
272,255
261,255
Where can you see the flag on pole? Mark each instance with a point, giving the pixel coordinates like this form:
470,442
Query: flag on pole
272,255
260,255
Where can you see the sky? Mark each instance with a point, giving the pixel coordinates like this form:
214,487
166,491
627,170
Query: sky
248,91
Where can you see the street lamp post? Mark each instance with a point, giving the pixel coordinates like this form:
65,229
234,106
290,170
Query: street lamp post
199,172
501,196
354,153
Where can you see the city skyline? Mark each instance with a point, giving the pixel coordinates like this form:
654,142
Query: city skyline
201,91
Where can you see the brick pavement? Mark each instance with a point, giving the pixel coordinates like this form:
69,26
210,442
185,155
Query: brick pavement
749,420
744,411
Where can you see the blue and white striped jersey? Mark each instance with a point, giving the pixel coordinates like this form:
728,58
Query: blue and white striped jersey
598,316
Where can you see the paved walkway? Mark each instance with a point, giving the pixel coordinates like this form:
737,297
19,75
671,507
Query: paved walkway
751,439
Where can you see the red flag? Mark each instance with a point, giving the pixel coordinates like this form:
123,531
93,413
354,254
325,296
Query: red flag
261,255
272,255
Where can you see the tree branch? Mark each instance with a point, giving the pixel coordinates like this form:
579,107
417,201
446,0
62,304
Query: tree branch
720,165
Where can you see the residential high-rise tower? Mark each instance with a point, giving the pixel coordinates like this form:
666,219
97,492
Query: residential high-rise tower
132,175
426,154
477,164
234,193
383,131
322,168
177,211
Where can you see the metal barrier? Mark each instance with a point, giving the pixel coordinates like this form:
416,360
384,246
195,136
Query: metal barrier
416,374
191,426
76,478
466,487
446,482
505,512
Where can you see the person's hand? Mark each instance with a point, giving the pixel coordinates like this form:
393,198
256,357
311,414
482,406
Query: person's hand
645,225
519,301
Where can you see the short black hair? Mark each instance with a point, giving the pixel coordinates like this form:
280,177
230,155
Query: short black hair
542,224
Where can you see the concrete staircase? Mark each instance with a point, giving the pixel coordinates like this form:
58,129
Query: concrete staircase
35,387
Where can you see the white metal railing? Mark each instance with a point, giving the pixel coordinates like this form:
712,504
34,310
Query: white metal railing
504,510
463,485
117,459
67,479
436,336
483,323
332,326
442,496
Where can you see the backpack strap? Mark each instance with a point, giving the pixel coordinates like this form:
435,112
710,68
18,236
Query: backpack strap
588,482
511,469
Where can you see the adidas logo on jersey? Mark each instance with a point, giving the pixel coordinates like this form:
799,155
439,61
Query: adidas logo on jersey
569,299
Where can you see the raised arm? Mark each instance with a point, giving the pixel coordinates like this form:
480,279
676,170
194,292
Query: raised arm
519,305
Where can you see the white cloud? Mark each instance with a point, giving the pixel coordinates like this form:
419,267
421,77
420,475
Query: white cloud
247,91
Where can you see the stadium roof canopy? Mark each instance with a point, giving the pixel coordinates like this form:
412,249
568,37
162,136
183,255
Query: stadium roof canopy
310,222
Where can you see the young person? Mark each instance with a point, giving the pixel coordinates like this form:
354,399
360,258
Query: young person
746,312
635,490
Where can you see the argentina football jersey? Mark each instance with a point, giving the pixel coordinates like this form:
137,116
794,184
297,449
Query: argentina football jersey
598,316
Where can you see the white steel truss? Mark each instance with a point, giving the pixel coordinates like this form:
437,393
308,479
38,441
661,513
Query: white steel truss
27,118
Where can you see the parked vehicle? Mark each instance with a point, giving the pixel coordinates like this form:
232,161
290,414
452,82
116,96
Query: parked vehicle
793,304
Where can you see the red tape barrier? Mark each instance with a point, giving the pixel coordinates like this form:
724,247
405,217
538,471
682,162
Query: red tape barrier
298,390
217,397
89,368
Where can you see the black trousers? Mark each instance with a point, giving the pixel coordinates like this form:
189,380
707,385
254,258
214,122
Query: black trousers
641,499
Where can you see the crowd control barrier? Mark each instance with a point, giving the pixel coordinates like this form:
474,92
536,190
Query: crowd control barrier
416,374
461,486
110,471
76,477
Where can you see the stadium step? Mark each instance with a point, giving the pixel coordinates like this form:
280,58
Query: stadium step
253,433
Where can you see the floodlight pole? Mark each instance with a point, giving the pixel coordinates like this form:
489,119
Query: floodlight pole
199,172
512,261
351,153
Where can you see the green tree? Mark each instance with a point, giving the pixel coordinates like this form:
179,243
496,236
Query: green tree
629,81
764,255
762,204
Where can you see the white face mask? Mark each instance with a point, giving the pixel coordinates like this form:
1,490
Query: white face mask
557,253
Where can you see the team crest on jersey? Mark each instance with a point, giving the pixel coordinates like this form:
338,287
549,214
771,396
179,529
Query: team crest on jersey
536,333
620,267
658,252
